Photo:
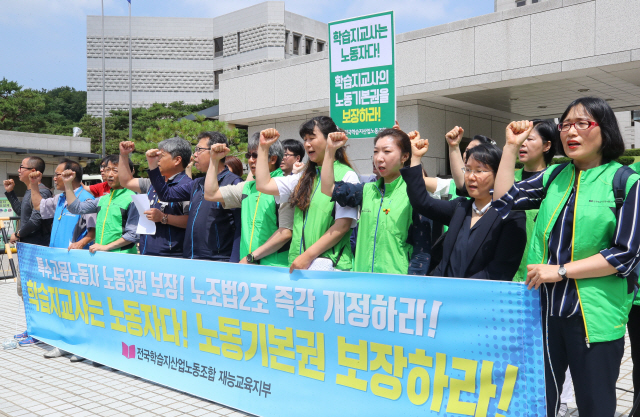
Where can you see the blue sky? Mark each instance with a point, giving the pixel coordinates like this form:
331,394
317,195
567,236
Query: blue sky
44,41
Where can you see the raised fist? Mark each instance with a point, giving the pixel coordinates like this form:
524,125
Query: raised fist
454,136
153,155
68,176
518,132
419,147
127,147
8,185
35,177
218,151
298,167
336,140
268,137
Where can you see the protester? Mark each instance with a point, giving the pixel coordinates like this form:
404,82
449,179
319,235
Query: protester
101,188
234,164
33,229
633,329
117,216
293,152
584,266
212,231
383,244
70,231
320,236
170,218
266,226
479,243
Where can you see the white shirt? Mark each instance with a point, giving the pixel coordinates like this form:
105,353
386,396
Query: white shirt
287,184
442,188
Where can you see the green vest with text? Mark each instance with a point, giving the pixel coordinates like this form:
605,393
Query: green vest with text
259,221
111,218
604,301
383,229
311,224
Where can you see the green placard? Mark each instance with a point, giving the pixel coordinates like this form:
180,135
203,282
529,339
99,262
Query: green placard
362,74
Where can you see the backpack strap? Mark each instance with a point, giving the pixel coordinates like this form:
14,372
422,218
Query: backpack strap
620,185
556,171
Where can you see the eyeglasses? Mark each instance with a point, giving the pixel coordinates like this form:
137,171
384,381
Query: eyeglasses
470,172
288,155
108,170
23,167
200,150
253,155
56,175
581,125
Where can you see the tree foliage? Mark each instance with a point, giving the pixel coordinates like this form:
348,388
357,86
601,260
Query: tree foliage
18,106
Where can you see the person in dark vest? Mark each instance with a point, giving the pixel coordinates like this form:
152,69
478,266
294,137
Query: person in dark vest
212,232
172,157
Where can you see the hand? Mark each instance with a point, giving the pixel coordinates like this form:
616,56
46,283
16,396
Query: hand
127,147
8,185
542,273
13,238
298,167
152,158
96,247
154,215
35,177
68,176
218,151
454,136
76,245
336,140
268,137
191,161
518,132
396,126
244,261
419,147
301,262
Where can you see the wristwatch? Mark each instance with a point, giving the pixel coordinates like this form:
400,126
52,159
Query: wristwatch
250,258
562,271
165,219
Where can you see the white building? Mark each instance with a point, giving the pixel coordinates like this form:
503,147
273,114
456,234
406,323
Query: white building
181,59
479,73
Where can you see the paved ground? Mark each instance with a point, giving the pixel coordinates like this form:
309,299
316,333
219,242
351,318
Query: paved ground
33,386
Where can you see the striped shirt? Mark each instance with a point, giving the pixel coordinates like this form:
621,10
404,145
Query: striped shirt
623,255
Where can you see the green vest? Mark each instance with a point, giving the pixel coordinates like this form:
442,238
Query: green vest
636,168
316,220
383,229
531,215
111,218
604,301
453,194
259,221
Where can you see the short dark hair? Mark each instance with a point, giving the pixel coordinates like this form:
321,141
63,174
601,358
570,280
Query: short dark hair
213,138
295,146
612,142
548,131
487,154
401,140
115,160
72,165
36,163
483,139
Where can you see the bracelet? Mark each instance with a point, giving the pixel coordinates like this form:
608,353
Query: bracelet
165,219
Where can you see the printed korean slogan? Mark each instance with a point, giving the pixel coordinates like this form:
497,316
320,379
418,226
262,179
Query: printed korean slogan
312,343
362,74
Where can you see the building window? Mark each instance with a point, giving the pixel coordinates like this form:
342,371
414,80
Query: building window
286,42
521,3
216,79
296,44
308,43
217,46
534,1
238,42
320,46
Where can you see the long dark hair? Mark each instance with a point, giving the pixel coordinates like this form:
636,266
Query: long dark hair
612,142
301,196
548,131
401,140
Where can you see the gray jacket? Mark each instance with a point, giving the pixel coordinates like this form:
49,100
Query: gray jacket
33,228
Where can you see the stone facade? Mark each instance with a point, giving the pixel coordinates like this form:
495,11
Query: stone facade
175,59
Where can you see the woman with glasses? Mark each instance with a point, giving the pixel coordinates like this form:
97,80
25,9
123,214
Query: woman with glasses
321,228
479,244
583,250
265,225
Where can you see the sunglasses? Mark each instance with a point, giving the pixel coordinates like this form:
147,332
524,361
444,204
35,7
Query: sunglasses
250,155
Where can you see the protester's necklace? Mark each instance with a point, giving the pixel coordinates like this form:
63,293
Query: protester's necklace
480,212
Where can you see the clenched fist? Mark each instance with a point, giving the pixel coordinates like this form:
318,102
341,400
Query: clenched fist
127,147
8,185
268,137
454,136
35,177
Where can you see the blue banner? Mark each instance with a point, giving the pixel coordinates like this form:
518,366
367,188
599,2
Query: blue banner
311,343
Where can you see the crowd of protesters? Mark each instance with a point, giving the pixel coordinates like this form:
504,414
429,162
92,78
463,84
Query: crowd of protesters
568,230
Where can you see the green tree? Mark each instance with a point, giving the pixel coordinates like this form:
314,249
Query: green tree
17,105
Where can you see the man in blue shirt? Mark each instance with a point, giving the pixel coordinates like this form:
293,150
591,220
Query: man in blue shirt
212,232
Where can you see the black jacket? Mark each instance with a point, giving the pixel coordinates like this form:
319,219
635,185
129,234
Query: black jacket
497,245
33,228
